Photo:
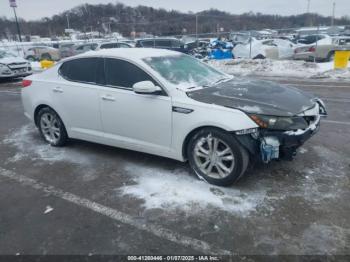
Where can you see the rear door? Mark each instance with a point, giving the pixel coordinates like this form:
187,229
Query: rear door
139,120
76,95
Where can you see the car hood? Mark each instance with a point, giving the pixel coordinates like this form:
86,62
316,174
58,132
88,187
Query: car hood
10,60
256,96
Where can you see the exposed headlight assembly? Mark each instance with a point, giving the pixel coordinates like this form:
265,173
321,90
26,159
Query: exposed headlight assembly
4,69
279,123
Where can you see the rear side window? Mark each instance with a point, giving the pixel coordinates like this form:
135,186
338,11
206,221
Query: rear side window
122,45
86,70
107,46
176,44
124,74
163,43
148,43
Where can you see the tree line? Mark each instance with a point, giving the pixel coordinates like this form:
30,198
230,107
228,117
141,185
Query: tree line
125,19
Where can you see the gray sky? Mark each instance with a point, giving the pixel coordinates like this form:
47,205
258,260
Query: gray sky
36,9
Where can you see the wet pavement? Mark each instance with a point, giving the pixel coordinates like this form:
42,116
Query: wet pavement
92,199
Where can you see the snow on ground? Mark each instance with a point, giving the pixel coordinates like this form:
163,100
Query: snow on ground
24,141
178,189
280,68
161,188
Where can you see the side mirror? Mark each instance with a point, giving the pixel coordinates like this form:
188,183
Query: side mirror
146,88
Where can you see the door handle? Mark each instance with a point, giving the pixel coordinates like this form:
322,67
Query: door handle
108,98
57,90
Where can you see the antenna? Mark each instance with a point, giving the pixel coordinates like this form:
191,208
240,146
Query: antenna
333,14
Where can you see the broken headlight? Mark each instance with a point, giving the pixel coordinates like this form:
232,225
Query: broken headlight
279,123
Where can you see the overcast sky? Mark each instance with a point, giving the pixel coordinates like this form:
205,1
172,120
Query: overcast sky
36,9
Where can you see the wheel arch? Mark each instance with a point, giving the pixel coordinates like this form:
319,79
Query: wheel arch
192,133
38,108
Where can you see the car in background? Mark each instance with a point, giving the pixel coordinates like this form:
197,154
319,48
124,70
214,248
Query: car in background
109,45
38,53
80,49
132,43
172,105
261,49
310,39
12,66
324,50
163,43
66,49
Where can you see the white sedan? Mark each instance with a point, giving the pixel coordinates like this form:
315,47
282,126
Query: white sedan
172,105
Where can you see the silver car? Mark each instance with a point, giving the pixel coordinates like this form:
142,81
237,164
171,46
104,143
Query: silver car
323,51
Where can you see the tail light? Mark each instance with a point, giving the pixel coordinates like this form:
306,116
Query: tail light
312,49
26,82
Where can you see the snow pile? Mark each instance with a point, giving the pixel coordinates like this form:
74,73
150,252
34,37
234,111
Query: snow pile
280,68
161,188
334,74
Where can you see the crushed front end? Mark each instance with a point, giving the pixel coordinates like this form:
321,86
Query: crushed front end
279,137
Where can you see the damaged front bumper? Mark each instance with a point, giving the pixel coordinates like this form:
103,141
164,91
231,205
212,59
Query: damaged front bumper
267,144
283,145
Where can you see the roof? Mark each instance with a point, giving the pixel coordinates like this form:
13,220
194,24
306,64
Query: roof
134,53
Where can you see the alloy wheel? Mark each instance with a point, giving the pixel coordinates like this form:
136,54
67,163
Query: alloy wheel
50,127
214,157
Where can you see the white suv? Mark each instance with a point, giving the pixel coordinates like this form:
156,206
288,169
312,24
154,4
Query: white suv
170,104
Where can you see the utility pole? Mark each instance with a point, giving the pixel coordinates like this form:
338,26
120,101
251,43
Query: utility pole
67,15
13,4
333,14
196,27
197,30
308,11
308,7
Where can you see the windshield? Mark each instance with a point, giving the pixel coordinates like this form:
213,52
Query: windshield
4,54
185,71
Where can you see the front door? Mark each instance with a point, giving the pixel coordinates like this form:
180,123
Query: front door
136,119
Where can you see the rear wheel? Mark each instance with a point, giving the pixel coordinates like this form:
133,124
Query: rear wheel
217,157
30,58
46,57
330,56
51,127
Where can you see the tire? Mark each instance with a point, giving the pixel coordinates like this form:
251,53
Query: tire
259,56
31,58
330,56
46,56
224,168
51,127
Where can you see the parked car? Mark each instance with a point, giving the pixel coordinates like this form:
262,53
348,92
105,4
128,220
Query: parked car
172,105
37,53
82,48
163,43
310,39
98,46
66,49
109,45
12,66
324,50
261,49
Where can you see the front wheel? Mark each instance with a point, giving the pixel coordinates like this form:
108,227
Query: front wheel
217,157
51,127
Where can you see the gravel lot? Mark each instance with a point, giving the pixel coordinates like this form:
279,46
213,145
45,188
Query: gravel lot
93,199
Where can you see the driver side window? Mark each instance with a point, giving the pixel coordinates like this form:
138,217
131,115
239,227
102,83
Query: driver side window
120,73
